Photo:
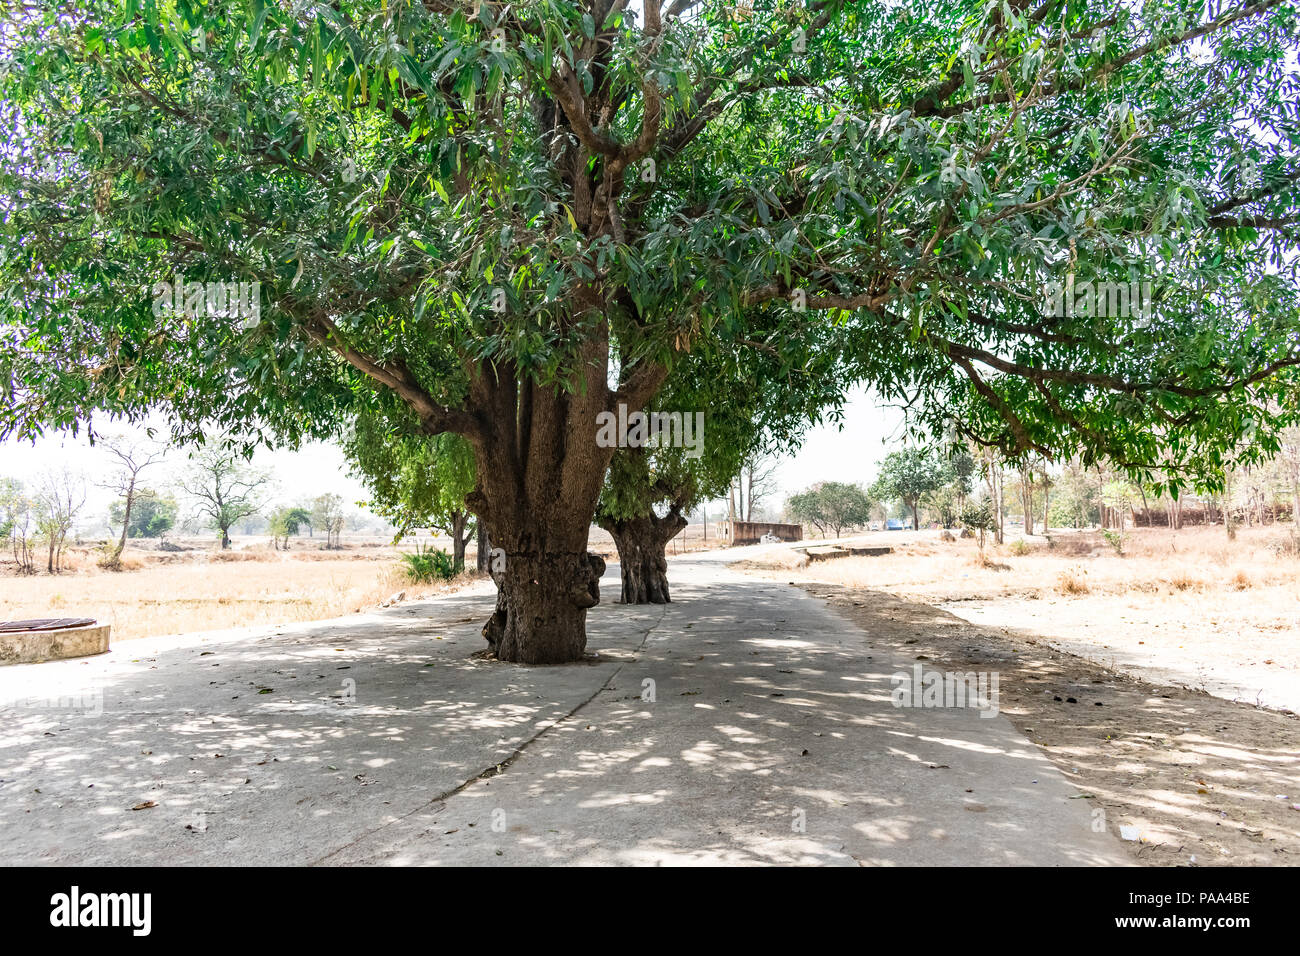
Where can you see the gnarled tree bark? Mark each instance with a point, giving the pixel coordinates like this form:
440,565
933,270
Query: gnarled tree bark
642,554
540,472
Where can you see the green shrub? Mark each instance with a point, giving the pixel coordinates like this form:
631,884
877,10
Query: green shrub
979,517
428,564
1115,539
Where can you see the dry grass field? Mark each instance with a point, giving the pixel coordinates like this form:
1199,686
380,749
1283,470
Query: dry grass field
1154,561
1189,607
202,589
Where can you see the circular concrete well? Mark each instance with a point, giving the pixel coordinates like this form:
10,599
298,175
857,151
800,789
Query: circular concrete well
27,642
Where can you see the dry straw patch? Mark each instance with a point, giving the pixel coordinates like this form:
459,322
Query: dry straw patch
1155,562
1073,581
1213,612
221,592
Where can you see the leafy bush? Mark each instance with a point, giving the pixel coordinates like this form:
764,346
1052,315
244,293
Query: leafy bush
979,517
1115,539
428,564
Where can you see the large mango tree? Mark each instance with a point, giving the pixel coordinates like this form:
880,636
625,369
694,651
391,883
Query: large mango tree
510,218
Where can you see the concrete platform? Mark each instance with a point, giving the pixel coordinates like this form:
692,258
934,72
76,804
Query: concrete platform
24,642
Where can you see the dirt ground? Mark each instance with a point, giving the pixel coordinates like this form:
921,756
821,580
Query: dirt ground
1190,608
1197,778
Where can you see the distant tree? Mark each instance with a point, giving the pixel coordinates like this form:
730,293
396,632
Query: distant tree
979,517
253,524
831,506
752,485
278,528
327,514
1119,496
946,503
152,515
10,489
416,481
949,499
131,459
908,474
58,501
18,523
804,507
295,518
1075,503
224,489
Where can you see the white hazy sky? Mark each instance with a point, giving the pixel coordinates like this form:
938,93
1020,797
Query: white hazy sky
851,453
827,454
316,469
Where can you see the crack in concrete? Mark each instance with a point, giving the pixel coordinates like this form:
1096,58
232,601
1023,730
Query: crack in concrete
499,767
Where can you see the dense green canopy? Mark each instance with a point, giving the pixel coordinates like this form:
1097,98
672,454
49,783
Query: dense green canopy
752,398
391,171
415,481
509,218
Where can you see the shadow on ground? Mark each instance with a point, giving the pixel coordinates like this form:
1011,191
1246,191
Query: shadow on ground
745,723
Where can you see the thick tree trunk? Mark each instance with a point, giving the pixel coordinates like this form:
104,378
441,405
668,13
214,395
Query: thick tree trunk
540,467
642,555
542,602
547,579
540,472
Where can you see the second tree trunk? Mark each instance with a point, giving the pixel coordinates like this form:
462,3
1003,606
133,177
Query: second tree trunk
642,557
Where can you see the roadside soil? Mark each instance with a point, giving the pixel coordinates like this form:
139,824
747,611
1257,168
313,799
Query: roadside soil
1184,777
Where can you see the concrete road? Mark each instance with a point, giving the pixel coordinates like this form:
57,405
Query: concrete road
744,724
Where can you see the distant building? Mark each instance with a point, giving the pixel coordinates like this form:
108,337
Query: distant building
752,532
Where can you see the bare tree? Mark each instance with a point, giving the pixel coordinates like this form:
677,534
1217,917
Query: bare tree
991,464
131,461
327,513
1291,459
61,497
754,484
224,489
18,523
